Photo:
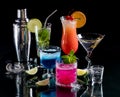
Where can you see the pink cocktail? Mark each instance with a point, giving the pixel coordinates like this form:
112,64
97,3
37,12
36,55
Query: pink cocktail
66,74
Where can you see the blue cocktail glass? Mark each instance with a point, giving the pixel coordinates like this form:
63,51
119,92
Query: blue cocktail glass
48,58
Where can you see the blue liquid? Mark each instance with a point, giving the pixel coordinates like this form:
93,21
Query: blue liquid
48,60
48,63
49,93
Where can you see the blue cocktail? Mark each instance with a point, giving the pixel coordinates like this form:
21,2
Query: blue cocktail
48,57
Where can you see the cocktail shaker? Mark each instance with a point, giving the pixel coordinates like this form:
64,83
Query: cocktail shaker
22,37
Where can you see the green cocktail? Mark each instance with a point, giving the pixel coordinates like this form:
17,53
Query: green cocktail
43,37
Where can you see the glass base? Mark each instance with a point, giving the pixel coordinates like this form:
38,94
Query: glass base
46,75
14,68
69,85
51,79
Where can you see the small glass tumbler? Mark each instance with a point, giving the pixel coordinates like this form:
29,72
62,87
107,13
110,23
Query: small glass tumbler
66,74
97,90
96,72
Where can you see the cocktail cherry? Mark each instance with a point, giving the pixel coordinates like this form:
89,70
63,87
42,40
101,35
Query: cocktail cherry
69,17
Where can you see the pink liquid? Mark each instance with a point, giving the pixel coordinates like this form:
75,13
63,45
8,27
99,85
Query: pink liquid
66,74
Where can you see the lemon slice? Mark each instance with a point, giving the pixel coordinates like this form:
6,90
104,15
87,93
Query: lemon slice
80,18
81,72
34,22
43,82
32,71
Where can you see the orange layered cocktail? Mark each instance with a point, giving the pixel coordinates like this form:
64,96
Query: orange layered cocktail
69,39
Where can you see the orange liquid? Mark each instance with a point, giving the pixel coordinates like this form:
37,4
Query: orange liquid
69,39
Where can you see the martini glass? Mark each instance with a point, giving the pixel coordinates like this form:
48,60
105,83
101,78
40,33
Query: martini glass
89,41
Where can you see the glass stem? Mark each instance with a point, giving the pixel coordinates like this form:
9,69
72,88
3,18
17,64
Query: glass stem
88,59
48,73
51,70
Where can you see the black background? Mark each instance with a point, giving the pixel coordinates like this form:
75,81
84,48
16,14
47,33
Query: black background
102,17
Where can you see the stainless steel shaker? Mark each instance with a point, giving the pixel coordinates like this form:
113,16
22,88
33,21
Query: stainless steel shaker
22,37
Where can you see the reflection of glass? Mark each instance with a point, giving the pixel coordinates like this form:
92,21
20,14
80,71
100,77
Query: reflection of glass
69,37
48,57
97,90
15,67
43,37
87,92
89,41
66,74
48,93
65,92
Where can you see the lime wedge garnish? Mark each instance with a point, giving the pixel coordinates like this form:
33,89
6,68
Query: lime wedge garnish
34,22
81,72
32,71
43,82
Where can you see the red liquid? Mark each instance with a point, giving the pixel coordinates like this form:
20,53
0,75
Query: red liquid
69,37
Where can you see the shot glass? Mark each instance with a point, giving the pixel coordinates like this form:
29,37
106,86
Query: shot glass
66,74
96,72
97,90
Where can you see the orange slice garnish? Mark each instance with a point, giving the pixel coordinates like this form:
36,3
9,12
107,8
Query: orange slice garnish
80,18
